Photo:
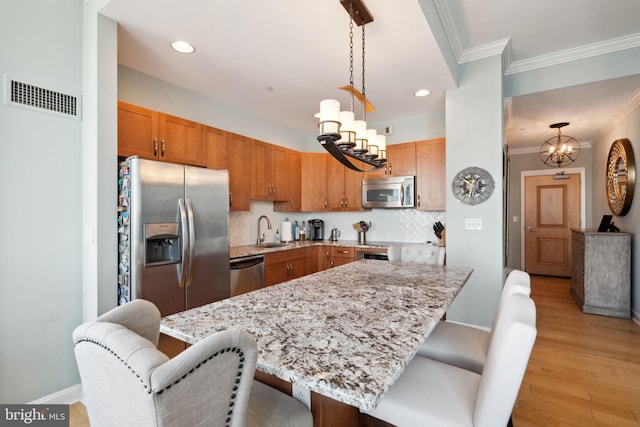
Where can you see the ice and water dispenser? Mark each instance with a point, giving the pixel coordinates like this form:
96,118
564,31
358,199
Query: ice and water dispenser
162,244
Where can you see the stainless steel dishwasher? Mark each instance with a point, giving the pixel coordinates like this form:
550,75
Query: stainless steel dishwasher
246,274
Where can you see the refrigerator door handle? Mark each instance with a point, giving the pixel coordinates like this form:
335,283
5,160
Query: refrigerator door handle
182,269
192,241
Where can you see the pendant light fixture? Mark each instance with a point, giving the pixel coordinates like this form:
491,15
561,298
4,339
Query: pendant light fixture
560,150
340,133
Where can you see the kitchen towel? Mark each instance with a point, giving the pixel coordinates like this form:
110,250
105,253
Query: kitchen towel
287,235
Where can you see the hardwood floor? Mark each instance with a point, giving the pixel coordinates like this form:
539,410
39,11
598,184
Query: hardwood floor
584,369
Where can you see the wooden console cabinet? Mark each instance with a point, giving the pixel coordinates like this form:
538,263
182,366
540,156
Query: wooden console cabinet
601,272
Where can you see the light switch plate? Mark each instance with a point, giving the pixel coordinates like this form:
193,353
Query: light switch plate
473,223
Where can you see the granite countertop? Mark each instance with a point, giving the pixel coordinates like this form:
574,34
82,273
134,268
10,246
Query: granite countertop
250,250
346,333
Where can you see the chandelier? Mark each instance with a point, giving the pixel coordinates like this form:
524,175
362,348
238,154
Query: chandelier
560,150
339,133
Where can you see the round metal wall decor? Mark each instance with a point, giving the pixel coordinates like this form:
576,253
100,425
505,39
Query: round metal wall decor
472,185
621,176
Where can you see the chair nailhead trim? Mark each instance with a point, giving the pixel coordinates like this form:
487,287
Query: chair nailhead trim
150,391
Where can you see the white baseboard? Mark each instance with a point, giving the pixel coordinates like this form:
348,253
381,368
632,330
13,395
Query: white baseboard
68,396
635,316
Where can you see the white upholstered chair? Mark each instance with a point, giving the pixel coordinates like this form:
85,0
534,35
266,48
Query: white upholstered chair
417,253
464,345
431,393
127,381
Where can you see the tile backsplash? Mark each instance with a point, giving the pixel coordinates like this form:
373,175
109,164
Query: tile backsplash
387,225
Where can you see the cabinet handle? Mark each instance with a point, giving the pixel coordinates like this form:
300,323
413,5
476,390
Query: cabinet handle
390,169
230,199
155,147
326,203
328,255
162,154
418,200
331,263
290,203
343,252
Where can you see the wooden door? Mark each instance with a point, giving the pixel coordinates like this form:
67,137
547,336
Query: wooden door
552,209
430,177
137,132
401,159
335,185
180,140
353,187
314,182
215,148
279,173
260,171
239,173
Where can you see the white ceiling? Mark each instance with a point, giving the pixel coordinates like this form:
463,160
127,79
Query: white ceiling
278,58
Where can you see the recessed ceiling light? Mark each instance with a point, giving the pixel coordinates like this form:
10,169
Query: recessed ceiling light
422,92
182,46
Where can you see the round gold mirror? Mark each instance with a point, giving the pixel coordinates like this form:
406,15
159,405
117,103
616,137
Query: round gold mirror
621,176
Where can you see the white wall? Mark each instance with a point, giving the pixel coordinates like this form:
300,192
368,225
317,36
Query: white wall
40,176
475,138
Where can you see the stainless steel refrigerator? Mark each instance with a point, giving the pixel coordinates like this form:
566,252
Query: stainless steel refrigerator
173,228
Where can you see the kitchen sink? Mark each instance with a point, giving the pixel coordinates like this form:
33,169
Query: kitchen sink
274,245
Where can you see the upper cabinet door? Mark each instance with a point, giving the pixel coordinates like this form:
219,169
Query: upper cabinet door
215,148
239,172
430,179
314,182
137,132
180,140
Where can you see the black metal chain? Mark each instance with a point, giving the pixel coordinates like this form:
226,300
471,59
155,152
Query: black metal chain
351,51
364,102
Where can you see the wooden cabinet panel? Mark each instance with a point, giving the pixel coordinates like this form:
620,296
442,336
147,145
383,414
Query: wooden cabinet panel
180,140
342,255
286,265
430,177
137,132
314,182
268,171
323,257
292,185
344,187
158,136
239,172
215,148
401,161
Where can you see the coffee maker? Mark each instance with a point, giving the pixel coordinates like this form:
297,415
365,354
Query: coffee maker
317,229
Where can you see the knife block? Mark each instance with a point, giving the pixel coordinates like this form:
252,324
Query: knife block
442,241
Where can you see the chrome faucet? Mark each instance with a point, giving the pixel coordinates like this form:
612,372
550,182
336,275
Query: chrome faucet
261,239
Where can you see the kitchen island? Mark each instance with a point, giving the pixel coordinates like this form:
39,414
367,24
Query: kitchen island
346,333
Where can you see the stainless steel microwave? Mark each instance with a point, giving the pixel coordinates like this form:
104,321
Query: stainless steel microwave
391,192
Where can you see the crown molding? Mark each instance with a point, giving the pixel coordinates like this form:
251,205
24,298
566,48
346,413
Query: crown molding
569,55
449,24
484,51
631,105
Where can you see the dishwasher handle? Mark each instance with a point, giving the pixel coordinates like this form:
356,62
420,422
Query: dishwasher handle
246,262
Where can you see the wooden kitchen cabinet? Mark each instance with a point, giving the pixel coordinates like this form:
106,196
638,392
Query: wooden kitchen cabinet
284,265
239,159
401,161
292,185
342,255
430,175
314,182
344,187
601,272
268,171
215,148
157,136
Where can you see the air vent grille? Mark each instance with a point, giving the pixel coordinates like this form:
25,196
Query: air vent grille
37,97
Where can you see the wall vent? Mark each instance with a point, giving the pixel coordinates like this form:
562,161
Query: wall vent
32,97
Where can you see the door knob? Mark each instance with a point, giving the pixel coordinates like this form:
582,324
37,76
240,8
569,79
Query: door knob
530,230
